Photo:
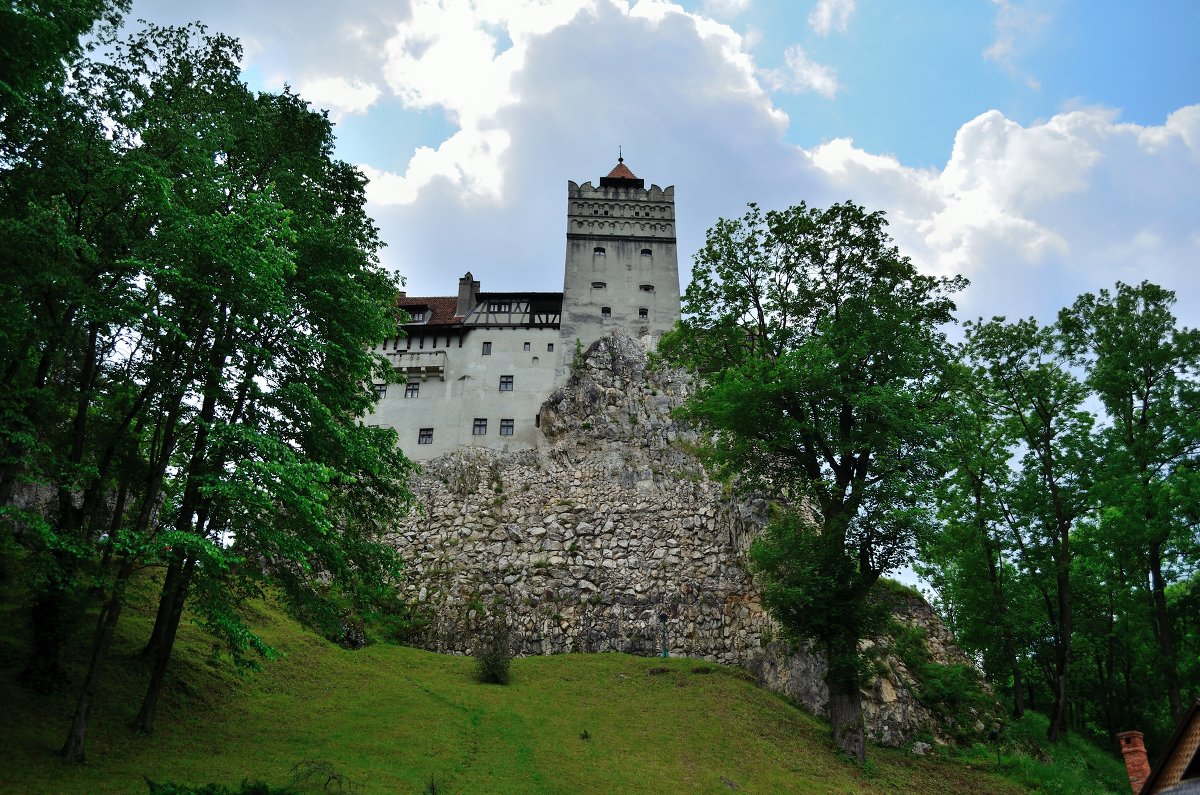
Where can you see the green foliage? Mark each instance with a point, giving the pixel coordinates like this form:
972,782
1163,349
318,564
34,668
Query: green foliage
188,308
951,692
1066,533
577,358
822,360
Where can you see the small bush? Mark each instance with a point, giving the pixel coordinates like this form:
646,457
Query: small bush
493,652
310,773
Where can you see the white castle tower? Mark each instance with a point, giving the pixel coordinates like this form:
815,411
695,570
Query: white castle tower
622,269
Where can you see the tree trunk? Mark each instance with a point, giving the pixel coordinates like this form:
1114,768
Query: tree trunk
162,653
1062,658
106,625
845,700
1018,690
166,605
1165,633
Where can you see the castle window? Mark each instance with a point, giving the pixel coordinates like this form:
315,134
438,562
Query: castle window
380,390
606,212
480,427
425,436
549,347
597,212
647,252
646,288
526,346
606,311
506,383
599,285
412,390
643,313
535,360
487,349
636,214
598,250
499,306
506,427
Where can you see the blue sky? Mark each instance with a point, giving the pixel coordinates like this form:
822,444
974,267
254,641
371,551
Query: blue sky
1041,147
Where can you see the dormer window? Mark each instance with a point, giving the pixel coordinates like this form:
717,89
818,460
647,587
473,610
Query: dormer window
598,251
646,288
499,306
599,285
416,316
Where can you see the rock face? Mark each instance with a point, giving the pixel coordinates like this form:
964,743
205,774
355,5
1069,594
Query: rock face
610,537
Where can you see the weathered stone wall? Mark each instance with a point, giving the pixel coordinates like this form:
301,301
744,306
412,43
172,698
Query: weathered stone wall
611,525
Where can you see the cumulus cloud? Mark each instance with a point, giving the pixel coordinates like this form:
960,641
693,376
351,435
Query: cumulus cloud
802,74
470,59
1072,203
338,95
830,15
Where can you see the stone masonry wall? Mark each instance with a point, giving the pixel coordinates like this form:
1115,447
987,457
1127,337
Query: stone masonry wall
611,525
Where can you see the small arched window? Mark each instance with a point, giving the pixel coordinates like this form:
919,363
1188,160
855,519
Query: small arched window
599,285
606,311
598,250
646,288
647,252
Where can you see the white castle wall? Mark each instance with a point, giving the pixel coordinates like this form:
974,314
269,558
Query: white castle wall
468,388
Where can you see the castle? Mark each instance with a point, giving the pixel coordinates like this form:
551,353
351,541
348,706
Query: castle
476,366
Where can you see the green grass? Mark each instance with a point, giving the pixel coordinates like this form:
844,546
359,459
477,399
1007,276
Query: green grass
390,718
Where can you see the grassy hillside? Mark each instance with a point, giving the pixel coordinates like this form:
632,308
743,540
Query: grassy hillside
391,718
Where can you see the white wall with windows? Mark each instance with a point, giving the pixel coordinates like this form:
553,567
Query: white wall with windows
487,395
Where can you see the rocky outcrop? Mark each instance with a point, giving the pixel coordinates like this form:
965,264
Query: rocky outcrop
610,537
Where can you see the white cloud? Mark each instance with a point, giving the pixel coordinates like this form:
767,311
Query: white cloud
802,74
831,15
450,55
338,95
1037,214
725,8
1017,22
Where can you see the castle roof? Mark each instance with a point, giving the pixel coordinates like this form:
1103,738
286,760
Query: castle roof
621,177
441,308
621,171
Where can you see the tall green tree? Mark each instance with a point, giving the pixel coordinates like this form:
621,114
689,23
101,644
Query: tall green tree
971,559
1145,371
820,358
186,343
1050,434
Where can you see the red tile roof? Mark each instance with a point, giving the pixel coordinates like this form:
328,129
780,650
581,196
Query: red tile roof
441,308
621,171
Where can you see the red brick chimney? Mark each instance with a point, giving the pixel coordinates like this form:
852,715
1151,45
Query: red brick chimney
1136,763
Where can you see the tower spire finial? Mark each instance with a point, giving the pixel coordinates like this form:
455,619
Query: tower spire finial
620,156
